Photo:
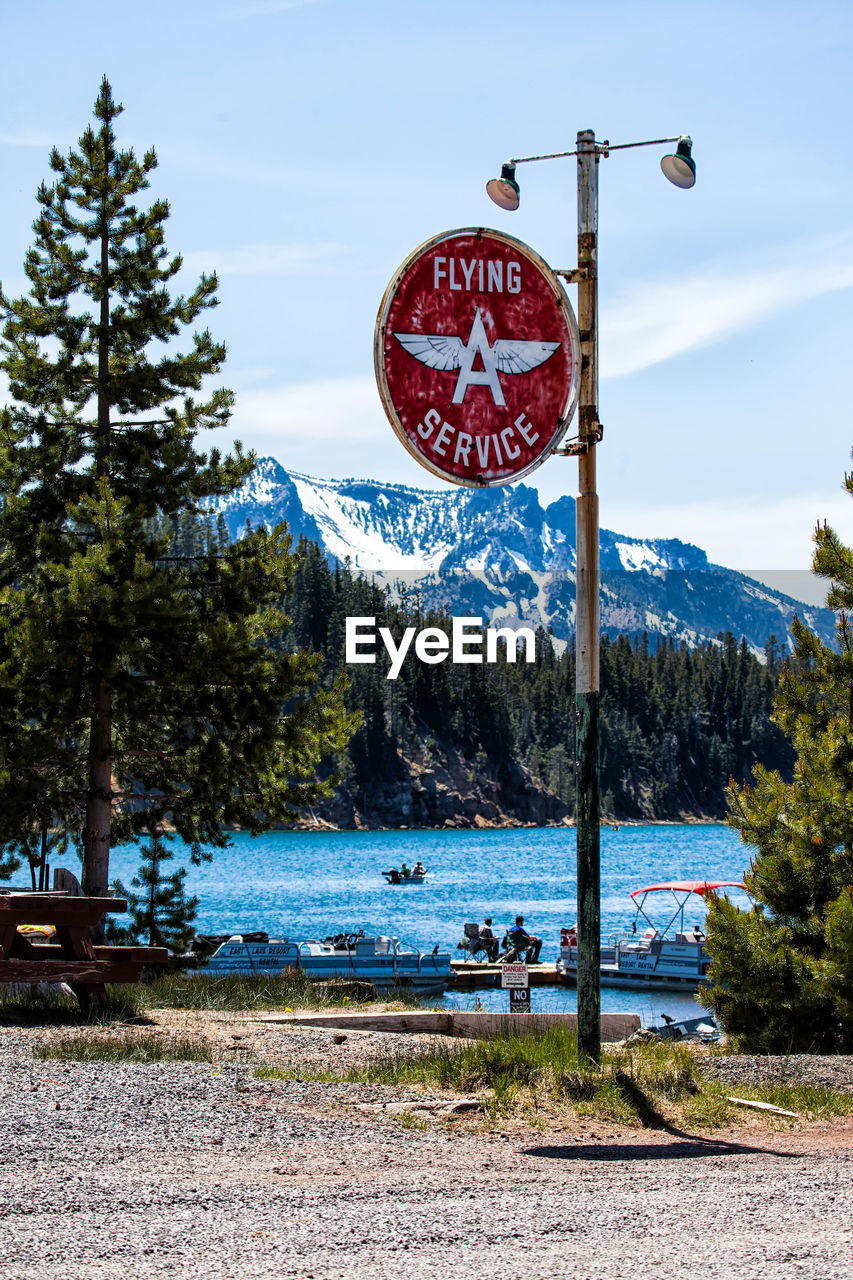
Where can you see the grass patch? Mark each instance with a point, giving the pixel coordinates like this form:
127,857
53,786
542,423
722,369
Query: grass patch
711,1108
265,1071
404,993
241,992
409,1120
89,1046
509,1070
549,1060
124,1003
816,1102
651,1083
234,993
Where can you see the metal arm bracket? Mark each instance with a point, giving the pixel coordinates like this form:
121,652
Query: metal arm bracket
581,444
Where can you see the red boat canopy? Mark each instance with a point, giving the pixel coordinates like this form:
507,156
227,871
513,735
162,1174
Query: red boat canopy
702,887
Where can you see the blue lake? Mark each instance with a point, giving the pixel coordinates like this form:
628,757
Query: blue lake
309,884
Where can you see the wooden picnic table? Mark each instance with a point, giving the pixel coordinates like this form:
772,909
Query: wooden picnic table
72,958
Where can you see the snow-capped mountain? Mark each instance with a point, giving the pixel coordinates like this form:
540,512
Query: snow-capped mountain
499,553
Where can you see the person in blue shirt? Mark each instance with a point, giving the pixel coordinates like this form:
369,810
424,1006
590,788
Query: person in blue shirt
524,941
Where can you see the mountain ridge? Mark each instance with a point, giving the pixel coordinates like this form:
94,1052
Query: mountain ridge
500,553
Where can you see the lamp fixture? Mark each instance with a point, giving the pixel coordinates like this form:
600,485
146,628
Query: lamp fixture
681,168
504,190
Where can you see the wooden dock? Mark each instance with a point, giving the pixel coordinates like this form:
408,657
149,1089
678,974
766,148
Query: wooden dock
471,975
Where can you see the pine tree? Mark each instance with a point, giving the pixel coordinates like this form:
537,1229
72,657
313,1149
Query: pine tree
139,677
783,974
161,914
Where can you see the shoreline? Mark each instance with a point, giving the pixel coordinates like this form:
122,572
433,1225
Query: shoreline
304,825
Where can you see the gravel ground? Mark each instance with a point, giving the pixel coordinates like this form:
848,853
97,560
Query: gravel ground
801,1068
186,1169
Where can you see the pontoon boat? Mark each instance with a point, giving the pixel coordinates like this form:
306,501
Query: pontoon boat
385,962
666,959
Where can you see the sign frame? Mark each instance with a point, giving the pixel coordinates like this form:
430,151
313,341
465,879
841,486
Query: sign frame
514,974
519,999
561,298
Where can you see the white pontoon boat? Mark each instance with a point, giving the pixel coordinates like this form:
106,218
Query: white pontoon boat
382,961
662,959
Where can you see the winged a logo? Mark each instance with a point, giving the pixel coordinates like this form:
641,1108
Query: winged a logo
447,352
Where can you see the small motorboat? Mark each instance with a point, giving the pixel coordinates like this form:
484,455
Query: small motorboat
404,876
384,962
702,1030
665,959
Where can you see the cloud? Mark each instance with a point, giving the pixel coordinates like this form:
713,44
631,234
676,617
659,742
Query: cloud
758,536
657,321
268,259
327,409
652,322
26,140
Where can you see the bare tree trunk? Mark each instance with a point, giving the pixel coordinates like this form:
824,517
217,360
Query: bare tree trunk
96,833
152,889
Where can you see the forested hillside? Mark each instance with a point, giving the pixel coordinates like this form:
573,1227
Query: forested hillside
480,744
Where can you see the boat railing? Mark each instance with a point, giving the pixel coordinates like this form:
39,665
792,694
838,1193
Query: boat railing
638,941
432,959
609,941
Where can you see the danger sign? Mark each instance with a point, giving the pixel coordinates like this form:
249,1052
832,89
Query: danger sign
514,975
477,357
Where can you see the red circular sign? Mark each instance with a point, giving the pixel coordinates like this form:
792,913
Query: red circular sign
477,357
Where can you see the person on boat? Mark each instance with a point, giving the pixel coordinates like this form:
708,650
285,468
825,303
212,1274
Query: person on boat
698,935
487,940
524,941
405,871
419,869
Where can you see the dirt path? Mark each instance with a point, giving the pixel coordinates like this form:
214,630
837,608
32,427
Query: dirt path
186,1169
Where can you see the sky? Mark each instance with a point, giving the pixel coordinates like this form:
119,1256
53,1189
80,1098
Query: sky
308,146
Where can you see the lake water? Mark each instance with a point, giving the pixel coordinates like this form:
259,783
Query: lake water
310,884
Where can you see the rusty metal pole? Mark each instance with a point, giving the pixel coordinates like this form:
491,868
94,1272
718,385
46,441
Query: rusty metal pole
587,613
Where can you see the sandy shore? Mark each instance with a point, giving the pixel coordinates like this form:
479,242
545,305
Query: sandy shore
197,1170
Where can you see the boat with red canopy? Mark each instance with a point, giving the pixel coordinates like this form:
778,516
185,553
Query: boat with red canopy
654,955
